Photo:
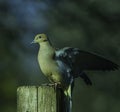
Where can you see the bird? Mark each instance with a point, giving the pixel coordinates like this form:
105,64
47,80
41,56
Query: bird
63,66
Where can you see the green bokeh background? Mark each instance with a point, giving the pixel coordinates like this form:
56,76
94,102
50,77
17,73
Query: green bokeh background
91,25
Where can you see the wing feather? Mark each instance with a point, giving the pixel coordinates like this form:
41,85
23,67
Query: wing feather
80,60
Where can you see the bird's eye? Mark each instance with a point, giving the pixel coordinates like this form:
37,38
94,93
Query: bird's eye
40,37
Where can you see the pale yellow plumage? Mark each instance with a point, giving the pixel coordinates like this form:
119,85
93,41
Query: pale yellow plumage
47,64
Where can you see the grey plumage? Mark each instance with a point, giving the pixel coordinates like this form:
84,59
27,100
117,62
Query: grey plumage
79,61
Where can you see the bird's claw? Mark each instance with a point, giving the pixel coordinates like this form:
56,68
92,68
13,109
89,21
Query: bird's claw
49,84
55,85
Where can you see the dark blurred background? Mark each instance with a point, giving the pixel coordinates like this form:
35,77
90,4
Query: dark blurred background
91,25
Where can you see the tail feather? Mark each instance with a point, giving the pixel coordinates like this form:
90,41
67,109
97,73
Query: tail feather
68,99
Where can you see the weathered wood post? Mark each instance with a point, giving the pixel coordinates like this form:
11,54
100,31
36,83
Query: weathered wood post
40,99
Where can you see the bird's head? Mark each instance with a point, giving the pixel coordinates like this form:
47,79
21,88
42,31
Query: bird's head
39,38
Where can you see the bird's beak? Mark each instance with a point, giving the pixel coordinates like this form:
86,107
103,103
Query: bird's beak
33,42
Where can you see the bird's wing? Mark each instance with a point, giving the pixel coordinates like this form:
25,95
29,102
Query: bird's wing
80,60
66,55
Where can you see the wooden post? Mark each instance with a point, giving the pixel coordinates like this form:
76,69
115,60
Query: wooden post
40,99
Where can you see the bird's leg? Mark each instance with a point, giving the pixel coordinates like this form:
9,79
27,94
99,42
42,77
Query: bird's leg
55,85
49,84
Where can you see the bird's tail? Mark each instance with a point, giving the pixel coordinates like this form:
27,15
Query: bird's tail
85,78
68,99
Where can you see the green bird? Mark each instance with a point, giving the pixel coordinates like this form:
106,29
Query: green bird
62,66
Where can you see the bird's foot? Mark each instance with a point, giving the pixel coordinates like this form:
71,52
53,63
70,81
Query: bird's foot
55,85
49,84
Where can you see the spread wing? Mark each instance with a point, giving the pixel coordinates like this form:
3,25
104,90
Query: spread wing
79,60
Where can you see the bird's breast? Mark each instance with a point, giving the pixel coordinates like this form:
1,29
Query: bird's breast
49,67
